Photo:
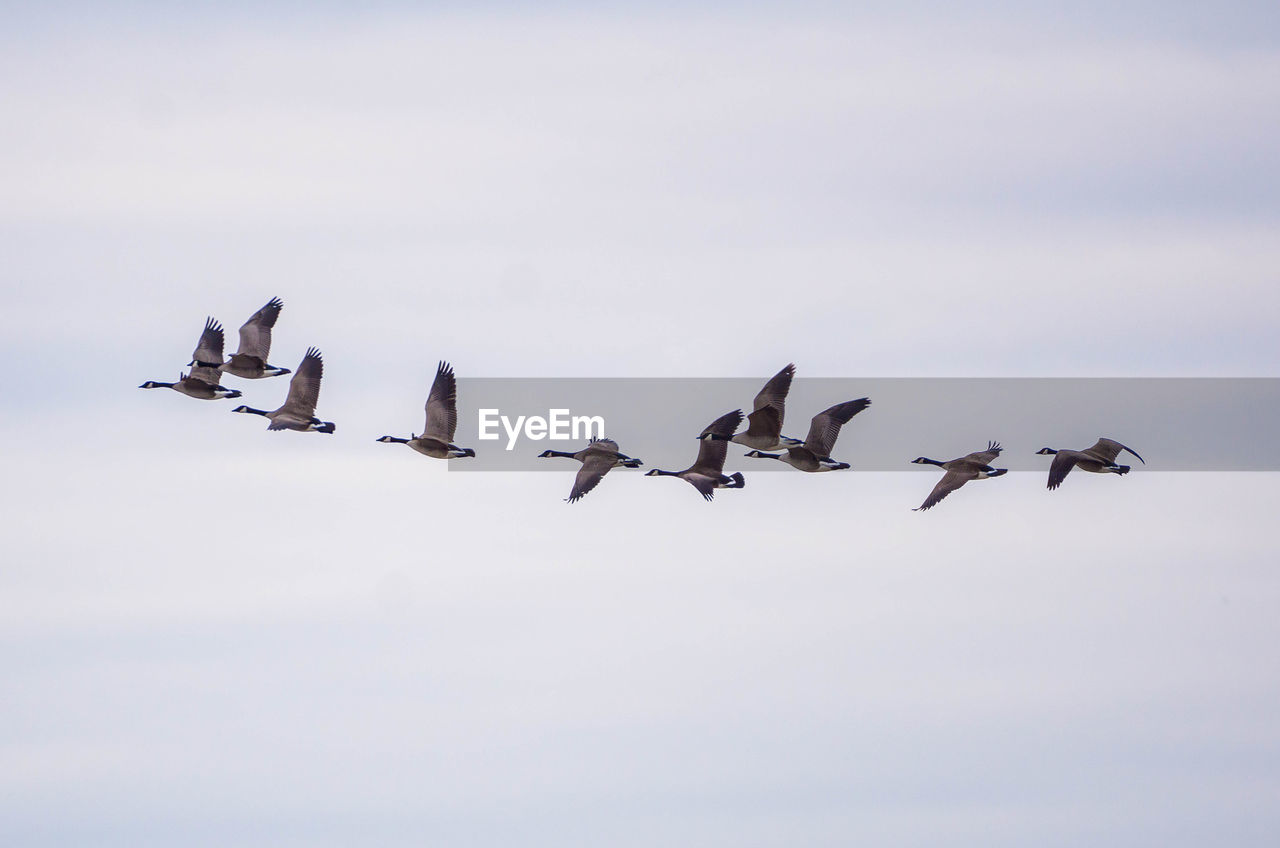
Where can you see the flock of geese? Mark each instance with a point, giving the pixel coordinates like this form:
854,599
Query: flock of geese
763,434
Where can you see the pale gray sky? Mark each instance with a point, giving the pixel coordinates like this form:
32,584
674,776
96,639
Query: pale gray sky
215,635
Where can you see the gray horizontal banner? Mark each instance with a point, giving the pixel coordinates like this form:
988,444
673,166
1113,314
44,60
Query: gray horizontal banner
1176,424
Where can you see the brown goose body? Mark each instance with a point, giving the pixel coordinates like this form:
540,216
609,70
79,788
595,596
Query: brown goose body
441,408
764,423
973,466
250,361
298,412
707,472
597,459
202,382
814,454
1099,458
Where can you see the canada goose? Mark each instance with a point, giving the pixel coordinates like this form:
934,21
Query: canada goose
1100,459
596,458
707,473
764,424
202,382
814,454
442,420
299,409
250,361
974,466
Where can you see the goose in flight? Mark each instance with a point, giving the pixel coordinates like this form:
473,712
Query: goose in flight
707,473
299,409
814,454
442,420
1099,459
202,382
250,361
764,424
974,466
596,458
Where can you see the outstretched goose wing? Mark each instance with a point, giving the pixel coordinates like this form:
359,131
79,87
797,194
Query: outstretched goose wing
209,348
712,452
1063,462
774,393
304,387
950,481
594,467
1108,449
442,405
985,457
825,426
255,334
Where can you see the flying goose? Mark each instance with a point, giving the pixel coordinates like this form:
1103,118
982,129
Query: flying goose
707,473
442,420
1099,459
596,458
974,466
814,454
764,424
250,361
299,409
202,382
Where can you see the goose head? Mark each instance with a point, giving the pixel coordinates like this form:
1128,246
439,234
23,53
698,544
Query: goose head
1046,452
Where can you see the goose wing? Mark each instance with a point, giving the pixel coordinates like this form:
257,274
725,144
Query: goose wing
209,348
205,374
825,426
981,458
950,481
1108,449
1063,462
774,393
712,453
255,334
442,405
304,387
765,422
770,405
705,485
594,467
603,445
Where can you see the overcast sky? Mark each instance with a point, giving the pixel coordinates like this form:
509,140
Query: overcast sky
215,635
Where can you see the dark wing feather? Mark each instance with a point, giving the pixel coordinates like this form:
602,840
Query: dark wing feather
825,426
1108,449
255,334
705,485
209,348
304,387
982,458
766,421
712,452
950,481
205,374
594,467
1063,462
442,405
608,445
774,393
